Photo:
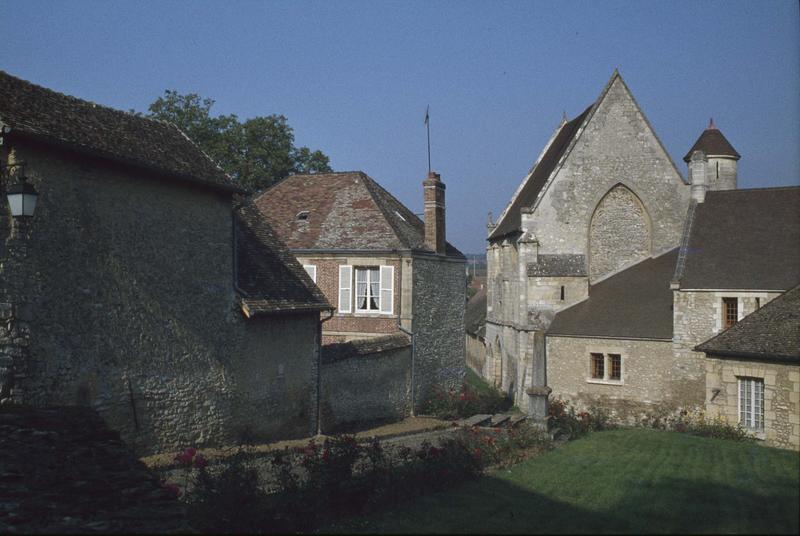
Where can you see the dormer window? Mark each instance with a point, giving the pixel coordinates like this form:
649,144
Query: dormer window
302,216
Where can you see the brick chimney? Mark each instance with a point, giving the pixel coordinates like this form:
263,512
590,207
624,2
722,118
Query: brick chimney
434,213
697,176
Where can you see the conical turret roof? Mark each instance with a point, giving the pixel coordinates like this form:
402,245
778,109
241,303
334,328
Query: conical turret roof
712,142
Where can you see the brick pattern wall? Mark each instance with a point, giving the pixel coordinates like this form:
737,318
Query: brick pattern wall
647,375
781,396
439,291
346,326
131,310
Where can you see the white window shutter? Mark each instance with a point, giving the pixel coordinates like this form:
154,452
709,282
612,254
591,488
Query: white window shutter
345,288
312,271
387,289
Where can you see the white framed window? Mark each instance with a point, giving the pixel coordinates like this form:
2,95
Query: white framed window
751,403
368,285
372,287
311,270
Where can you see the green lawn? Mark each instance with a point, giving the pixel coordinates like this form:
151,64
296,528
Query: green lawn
634,481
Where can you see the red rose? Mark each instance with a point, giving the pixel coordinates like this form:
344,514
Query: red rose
191,451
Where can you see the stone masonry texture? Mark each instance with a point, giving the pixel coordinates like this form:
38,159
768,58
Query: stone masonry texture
439,290
781,396
131,310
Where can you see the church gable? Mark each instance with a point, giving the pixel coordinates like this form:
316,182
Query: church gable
614,179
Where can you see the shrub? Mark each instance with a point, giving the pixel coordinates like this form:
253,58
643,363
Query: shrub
695,422
568,423
504,446
466,402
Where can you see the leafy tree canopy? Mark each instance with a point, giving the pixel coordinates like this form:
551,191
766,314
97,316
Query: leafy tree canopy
257,152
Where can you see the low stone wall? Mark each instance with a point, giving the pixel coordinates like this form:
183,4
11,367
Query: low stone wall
365,381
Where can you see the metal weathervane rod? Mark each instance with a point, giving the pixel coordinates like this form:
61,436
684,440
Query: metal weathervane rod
428,124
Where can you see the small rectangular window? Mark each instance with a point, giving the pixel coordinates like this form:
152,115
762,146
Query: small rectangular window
598,366
758,304
615,364
368,285
730,312
562,293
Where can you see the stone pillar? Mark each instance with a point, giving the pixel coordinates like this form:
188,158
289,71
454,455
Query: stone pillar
434,213
538,392
697,176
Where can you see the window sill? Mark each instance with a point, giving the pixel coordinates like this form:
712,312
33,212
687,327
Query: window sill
605,382
365,314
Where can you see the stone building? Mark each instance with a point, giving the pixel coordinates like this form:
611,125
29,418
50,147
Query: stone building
139,289
383,268
753,372
601,298
475,326
602,196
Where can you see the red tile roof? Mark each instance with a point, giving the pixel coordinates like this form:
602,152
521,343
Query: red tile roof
345,211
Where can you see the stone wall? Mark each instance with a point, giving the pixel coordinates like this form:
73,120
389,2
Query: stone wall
781,396
440,289
130,309
362,385
647,383
697,316
476,354
617,147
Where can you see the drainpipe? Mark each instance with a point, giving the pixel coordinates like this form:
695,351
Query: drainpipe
413,359
319,371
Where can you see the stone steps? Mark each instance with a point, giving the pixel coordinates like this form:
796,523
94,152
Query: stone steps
499,420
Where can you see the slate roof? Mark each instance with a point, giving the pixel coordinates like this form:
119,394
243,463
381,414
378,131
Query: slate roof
475,315
771,332
635,303
511,220
269,275
43,114
743,239
364,347
346,211
712,142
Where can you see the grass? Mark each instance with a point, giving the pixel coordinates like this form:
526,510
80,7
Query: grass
477,384
630,480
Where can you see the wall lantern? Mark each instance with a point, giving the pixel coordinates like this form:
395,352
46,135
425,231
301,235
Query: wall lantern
21,196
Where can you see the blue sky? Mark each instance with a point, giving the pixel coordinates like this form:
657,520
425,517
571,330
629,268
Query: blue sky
354,78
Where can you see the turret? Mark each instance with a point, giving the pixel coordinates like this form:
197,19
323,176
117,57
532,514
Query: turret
721,158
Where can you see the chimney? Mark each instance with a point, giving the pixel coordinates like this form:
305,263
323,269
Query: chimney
434,213
697,176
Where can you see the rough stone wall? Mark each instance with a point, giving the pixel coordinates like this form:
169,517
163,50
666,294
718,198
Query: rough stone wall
132,311
370,388
476,354
440,289
348,326
619,233
697,316
781,396
617,147
648,375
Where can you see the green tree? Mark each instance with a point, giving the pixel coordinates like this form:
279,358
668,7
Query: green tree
257,152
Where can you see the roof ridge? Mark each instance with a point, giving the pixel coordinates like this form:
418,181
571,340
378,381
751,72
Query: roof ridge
370,184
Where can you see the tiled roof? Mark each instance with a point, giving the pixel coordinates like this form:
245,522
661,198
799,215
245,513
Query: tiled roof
743,239
511,220
43,114
636,303
345,211
364,347
267,273
712,142
771,332
475,315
